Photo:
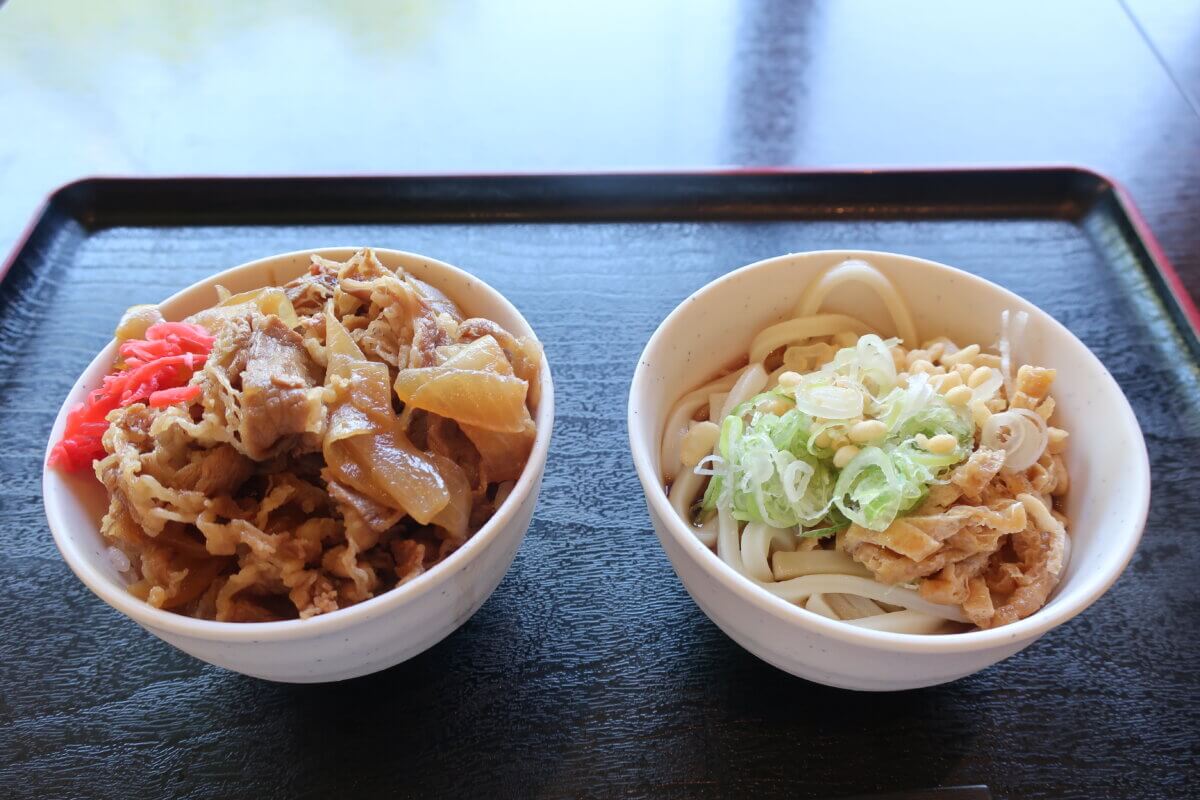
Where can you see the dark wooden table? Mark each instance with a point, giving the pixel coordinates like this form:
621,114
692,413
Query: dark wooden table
269,88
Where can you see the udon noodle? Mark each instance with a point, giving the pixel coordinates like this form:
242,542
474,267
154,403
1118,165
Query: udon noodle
869,480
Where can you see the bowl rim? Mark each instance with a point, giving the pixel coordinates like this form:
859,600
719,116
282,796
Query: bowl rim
1029,628
287,630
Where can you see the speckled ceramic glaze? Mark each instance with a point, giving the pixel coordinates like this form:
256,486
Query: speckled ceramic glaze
358,640
1106,456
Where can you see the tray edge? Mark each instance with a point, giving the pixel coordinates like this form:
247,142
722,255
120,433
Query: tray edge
1093,184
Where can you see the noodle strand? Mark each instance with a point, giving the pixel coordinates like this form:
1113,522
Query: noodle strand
817,605
860,272
798,589
901,622
757,542
727,540
750,383
682,413
800,330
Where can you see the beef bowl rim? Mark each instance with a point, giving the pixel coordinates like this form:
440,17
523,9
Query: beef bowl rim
275,271
1085,589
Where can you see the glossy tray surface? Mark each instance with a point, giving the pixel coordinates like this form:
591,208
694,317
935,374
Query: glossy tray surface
590,672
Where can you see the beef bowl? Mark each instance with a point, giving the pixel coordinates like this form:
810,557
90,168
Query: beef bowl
307,468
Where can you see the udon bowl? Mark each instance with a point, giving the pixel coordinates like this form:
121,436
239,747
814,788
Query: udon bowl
1106,456
364,638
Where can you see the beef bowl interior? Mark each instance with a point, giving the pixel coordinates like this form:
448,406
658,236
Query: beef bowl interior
357,639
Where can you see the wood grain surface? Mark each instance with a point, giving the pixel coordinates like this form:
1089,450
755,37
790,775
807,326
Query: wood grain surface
590,672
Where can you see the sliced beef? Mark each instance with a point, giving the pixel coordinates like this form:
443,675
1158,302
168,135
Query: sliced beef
220,470
375,516
308,293
277,402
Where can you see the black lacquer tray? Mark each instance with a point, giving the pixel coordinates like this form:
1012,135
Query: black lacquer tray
590,672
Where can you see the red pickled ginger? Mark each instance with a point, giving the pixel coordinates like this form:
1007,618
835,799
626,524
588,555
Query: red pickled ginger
155,370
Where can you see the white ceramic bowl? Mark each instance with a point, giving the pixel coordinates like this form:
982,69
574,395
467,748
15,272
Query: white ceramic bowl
1106,456
358,640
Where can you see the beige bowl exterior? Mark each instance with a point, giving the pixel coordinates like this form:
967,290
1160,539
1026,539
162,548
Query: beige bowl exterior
1107,504
359,640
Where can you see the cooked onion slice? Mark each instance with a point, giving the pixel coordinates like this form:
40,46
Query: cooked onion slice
365,447
1020,433
470,397
1012,330
817,394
